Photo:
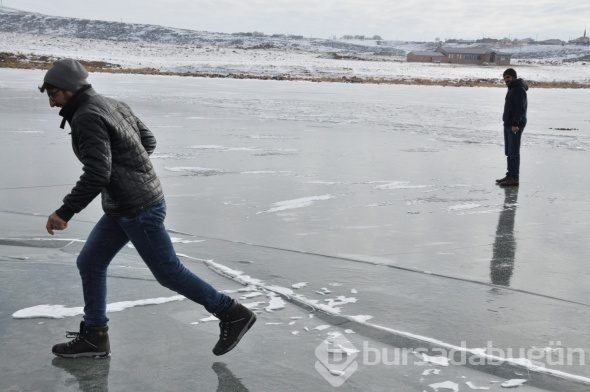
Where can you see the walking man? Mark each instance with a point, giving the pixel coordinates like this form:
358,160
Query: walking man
113,146
514,118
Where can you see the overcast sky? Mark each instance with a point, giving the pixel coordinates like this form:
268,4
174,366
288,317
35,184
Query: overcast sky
392,19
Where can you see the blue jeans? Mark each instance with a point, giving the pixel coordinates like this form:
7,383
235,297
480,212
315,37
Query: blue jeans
148,235
512,150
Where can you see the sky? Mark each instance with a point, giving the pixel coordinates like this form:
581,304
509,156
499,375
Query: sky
411,20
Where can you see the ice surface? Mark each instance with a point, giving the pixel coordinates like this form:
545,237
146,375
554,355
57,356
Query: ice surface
488,271
474,387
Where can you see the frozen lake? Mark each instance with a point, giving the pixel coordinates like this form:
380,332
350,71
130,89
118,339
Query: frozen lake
387,190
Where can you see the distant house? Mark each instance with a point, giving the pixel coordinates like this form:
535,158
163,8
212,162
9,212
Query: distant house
474,55
427,57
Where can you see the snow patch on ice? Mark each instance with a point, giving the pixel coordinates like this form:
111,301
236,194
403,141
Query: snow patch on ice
197,171
275,303
340,300
461,207
280,290
473,386
215,147
340,349
265,172
296,203
61,311
253,305
361,318
178,240
447,385
251,295
439,360
400,185
513,383
233,274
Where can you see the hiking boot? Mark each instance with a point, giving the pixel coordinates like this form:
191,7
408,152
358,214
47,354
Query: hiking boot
509,181
234,323
501,179
89,342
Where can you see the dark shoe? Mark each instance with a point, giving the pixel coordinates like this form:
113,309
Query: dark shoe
89,342
235,322
501,179
509,181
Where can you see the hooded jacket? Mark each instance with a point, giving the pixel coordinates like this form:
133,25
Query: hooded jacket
515,105
113,146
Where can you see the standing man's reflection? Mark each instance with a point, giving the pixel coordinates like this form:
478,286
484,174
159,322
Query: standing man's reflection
502,263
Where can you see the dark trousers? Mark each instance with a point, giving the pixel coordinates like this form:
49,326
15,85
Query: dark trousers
512,150
149,236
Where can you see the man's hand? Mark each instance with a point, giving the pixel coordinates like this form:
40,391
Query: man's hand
515,129
54,222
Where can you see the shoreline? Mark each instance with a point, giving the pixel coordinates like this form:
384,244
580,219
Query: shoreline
21,61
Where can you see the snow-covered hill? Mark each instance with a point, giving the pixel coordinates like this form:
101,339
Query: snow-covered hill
32,36
16,21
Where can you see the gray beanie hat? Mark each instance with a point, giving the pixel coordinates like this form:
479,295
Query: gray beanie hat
66,74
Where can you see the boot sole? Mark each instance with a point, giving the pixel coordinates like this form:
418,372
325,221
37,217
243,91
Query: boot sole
84,355
242,333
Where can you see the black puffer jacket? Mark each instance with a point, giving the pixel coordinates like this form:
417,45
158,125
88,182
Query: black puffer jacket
515,105
114,147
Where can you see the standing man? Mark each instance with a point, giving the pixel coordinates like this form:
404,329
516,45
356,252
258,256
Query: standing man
113,146
514,118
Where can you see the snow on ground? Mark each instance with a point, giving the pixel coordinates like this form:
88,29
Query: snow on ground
271,62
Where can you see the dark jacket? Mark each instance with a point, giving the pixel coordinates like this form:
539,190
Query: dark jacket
114,147
515,104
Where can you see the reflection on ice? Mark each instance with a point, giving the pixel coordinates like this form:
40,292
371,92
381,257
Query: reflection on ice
504,249
92,374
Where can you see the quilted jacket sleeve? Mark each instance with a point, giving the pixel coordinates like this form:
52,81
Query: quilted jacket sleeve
94,152
148,140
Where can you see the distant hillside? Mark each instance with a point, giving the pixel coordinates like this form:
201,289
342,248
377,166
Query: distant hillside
16,21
